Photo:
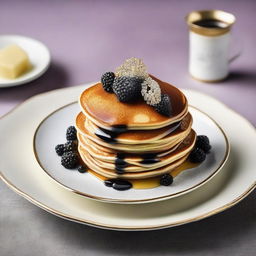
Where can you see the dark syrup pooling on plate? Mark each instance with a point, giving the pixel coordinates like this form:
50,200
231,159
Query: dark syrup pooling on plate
108,183
211,23
109,136
118,184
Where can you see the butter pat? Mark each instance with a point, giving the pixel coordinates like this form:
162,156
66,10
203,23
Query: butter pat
14,61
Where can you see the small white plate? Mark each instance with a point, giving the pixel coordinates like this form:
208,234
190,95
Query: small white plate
39,57
20,170
52,132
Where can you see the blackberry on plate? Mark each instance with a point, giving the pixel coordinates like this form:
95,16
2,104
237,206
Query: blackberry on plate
60,149
69,160
70,146
197,155
81,168
107,81
164,107
127,89
166,179
203,142
71,133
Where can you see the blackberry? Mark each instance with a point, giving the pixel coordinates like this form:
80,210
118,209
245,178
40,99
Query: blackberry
197,155
70,146
69,160
71,133
81,168
166,179
60,149
164,107
107,81
203,142
127,89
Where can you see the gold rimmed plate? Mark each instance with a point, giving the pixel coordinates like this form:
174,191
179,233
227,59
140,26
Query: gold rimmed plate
51,131
22,173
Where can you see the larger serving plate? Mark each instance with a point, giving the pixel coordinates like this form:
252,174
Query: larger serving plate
21,171
51,131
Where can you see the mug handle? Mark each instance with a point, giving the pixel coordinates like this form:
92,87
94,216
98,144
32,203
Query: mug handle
237,49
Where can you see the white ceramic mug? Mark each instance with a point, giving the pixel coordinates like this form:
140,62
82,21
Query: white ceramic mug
209,47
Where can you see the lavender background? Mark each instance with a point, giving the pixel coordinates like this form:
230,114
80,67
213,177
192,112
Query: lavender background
87,38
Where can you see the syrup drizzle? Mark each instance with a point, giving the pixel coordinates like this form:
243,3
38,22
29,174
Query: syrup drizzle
109,136
120,163
149,158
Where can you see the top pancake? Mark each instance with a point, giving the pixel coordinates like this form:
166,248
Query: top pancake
106,111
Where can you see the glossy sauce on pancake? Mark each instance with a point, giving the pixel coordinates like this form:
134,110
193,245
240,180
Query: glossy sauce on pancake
111,156
131,137
150,182
104,108
139,175
121,160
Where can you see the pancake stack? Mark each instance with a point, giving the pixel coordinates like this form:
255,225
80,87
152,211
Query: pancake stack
132,141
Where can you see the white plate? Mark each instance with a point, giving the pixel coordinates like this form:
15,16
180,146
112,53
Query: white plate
39,57
21,172
51,132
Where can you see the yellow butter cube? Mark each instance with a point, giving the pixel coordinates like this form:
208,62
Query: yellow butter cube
14,61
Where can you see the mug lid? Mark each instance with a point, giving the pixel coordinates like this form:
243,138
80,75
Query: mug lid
196,16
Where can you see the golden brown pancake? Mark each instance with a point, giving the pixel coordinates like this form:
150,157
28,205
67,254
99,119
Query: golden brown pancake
86,127
139,148
105,110
110,156
132,166
140,175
